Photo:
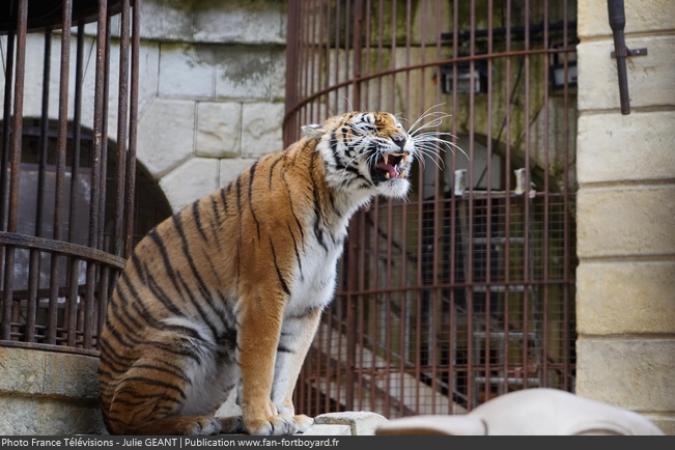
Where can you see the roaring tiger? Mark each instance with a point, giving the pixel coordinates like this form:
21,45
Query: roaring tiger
227,293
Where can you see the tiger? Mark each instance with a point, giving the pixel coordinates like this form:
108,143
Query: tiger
226,295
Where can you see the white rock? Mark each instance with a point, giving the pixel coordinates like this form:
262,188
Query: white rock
166,134
192,180
261,128
361,423
328,430
218,129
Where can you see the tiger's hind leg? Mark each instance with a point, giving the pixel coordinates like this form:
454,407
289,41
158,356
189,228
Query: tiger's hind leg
169,391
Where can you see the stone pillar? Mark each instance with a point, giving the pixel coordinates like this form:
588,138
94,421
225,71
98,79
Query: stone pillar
626,213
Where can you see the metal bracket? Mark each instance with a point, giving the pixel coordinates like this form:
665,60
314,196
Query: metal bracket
631,52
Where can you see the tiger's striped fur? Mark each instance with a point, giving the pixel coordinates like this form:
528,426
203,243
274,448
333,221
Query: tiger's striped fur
227,294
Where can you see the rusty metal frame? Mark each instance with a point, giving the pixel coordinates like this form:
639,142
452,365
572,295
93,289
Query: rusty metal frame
444,326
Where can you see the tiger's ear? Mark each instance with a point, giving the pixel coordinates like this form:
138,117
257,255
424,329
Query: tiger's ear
311,130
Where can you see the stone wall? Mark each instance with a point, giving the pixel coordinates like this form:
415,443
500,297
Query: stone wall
626,213
219,93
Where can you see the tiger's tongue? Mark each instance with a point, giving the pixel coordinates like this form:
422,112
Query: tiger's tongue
393,173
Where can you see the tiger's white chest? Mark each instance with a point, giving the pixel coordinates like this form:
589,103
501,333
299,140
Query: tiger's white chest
314,281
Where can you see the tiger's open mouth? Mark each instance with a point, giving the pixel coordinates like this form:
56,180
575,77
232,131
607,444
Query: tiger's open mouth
388,166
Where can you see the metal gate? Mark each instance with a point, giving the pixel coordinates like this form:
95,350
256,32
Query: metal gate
66,190
464,291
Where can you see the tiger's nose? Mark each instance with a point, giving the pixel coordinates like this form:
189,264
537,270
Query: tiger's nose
400,142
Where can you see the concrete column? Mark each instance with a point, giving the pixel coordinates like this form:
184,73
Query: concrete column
626,213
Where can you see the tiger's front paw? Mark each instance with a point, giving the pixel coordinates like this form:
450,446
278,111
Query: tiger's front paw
272,426
302,422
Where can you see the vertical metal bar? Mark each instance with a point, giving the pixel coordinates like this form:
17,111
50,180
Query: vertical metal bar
367,57
380,33
488,212
526,205
470,275
437,244
15,161
545,318
348,34
351,320
373,305
34,269
356,39
507,199
304,53
404,246
104,287
7,135
420,226
99,138
103,179
394,29
73,267
452,369
72,304
133,127
77,133
61,144
337,57
566,212
292,43
122,127
363,242
327,64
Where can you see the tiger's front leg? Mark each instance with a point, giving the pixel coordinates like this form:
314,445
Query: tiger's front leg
297,334
260,326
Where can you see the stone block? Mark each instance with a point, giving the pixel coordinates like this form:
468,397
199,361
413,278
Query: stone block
656,15
186,71
261,128
45,392
218,129
231,168
614,147
77,376
328,430
240,21
664,422
633,297
192,180
623,221
167,20
631,373
361,423
166,134
650,78
48,416
23,371
42,373
249,71
251,22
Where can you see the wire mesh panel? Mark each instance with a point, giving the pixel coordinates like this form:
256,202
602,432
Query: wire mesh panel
465,290
66,189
